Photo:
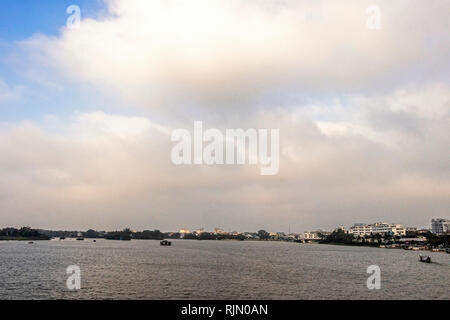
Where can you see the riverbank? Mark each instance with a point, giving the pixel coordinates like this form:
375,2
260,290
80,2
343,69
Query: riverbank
408,248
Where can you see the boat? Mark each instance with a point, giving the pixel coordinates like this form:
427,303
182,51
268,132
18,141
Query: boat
425,259
166,243
80,237
94,241
31,242
62,238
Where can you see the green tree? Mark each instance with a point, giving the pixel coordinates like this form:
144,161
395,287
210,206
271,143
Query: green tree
263,235
91,234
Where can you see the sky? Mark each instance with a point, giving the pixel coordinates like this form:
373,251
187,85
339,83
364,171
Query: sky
86,113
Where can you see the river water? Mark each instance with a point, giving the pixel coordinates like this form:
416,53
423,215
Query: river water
216,270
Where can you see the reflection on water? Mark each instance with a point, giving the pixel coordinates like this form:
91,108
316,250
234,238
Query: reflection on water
216,270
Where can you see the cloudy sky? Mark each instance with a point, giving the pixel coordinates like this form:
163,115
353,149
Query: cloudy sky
86,114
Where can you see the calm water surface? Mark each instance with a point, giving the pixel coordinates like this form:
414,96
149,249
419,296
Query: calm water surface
216,270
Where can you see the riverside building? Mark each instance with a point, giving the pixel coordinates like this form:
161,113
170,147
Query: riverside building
377,228
440,226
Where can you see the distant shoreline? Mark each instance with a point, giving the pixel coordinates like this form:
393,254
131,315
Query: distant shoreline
23,239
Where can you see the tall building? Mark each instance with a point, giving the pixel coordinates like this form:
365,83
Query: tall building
440,226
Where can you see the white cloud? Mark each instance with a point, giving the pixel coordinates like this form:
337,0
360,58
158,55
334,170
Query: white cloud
156,54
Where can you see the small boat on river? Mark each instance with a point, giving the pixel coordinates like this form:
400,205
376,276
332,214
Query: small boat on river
166,243
80,236
425,259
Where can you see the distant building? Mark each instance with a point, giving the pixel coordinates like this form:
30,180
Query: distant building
341,228
417,240
398,229
440,226
219,231
273,234
312,235
251,235
360,230
377,228
199,231
278,235
184,231
293,236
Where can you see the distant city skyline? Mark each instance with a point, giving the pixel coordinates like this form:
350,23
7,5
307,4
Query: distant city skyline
219,229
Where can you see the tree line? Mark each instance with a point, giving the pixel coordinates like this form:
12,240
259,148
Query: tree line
24,233
125,234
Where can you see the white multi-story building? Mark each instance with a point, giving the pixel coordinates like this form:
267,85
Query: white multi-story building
440,226
360,229
314,235
377,228
398,229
